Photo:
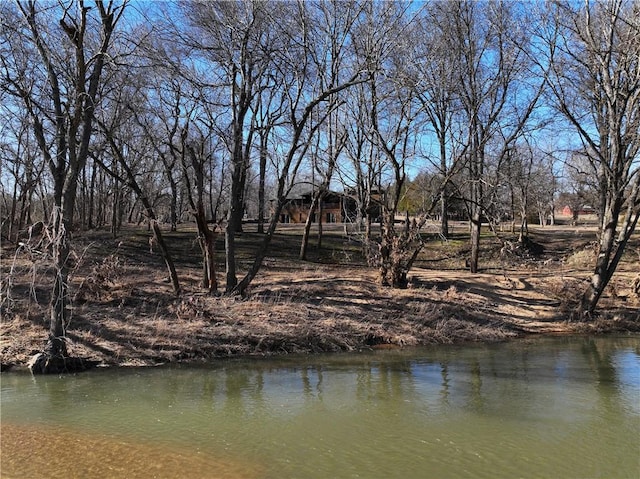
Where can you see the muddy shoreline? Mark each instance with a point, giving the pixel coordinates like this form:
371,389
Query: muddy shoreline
124,313
324,312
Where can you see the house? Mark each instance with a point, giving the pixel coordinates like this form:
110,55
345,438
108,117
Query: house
296,210
582,211
335,208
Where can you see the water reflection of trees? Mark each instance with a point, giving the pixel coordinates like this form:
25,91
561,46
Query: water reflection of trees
543,394
615,382
526,379
504,379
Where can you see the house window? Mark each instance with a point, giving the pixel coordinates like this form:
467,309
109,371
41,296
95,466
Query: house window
331,217
284,218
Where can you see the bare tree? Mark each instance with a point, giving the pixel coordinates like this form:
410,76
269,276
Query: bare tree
528,185
594,49
545,187
61,102
361,176
324,158
195,159
435,74
494,61
329,58
305,94
253,59
517,176
22,170
135,150
269,113
580,185
236,38
392,115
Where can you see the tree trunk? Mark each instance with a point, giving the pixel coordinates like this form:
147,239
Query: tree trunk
609,254
444,210
230,258
46,213
84,188
115,200
207,241
242,286
151,216
234,221
210,262
12,213
56,345
524,227
90,222
320,213
166,256
307,228
173,208
474,240
261,181
52,359
601,275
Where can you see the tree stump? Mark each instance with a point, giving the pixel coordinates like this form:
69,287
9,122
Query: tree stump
44,363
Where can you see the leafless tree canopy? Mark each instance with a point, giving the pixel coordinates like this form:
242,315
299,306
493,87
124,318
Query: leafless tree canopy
223,112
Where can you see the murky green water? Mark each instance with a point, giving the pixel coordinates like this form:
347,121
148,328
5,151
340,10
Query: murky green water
553,408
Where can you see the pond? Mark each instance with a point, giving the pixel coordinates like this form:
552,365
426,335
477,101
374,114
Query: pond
555,407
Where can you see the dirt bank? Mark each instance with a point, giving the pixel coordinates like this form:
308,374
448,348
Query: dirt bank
124,313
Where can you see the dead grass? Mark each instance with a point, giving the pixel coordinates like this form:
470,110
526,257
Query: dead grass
124,312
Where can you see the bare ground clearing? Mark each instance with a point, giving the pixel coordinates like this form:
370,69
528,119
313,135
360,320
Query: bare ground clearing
125,314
